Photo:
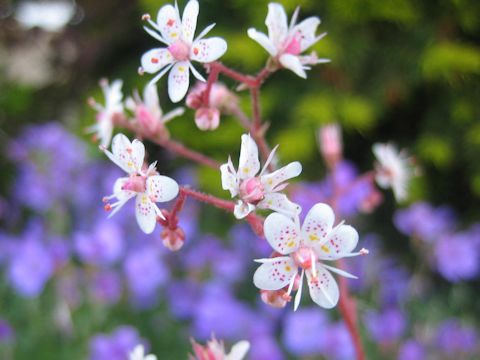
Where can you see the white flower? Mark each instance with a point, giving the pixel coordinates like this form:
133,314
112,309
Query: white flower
306,248
393,169
139,354
258,190
286,42
147,186
148,112
181,48
214,350
47,15
103,129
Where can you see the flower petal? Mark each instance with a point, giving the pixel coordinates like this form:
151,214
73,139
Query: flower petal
155,59
161,188
239,351
229,178
169,24
282,233
152,102
280,203
317,224
248,164
263,40
208,50
277,24
145,213
178,81
127,155
276,274
113,96
270,181
104,128
323,287
189,20
118,190
305,32
341,240
293,63
242,209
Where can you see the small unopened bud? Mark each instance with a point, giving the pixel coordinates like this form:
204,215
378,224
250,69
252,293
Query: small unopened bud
275,298
195,97
330,141
207,118
173,239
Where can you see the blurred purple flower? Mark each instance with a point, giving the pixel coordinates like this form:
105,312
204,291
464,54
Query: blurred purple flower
302,329
106,287
424,221
145,274
103,246
264,347
7,334
411,350
31,266
220,313
116,346
454,338
183,297
338,343
457,257
394,282
385,327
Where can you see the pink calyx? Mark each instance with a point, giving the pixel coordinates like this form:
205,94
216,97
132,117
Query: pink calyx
135,183
180,50
304,257
252,190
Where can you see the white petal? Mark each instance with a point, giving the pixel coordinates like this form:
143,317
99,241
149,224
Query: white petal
127,155
150,357
341,240
104,129
189,20
118,191
161,188
280,203
150,98
229,178
239,351
263,40
248,164
340,271
293,63
208,50
178,81
145,213
323,288
169,24
277,24
298,295
155,59
242,209
197,75
317,224
275,275
305,32
113,96
282,233
270,181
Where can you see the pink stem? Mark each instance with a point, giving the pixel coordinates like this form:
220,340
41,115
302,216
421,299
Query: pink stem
255,221
177,207
182,150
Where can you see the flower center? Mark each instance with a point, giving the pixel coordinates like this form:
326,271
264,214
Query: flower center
293,45
180,50
251,190
304,256
136,183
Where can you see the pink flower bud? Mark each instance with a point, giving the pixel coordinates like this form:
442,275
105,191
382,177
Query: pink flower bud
173,239
207,118
330,140
195,97
275,298
251,190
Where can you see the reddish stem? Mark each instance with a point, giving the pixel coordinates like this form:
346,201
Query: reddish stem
248,80
182,150
177,207
255,221
348,309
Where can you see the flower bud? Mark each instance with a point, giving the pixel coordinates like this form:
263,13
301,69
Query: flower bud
207,118
275,298
330,141
173,239
251,190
